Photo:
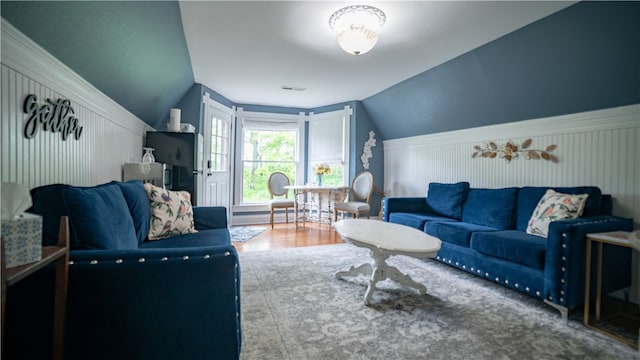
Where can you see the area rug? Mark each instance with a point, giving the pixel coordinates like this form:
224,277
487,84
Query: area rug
294,308
245,233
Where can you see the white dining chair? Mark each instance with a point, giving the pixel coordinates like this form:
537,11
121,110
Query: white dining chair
359,197
279,195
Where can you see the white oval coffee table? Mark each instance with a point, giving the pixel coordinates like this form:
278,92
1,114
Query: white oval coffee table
385,239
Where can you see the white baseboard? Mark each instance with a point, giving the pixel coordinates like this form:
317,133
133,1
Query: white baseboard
260,219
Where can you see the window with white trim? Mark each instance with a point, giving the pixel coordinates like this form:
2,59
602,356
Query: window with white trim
329,144
267,143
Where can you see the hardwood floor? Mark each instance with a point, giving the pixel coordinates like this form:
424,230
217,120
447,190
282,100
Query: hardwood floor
286,236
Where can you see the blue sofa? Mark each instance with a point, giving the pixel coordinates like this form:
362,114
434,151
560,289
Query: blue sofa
128,297
483,233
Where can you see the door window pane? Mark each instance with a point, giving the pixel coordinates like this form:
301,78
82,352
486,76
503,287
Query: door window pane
219,145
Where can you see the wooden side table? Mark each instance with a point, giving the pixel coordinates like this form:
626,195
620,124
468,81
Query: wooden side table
616,238
60,254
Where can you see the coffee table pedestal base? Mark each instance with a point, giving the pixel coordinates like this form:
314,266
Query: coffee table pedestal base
379,270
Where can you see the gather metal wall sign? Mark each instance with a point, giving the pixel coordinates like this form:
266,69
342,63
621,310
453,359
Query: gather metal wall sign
54,116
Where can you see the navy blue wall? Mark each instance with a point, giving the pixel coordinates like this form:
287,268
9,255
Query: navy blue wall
583,58
362,124
133,51
192,107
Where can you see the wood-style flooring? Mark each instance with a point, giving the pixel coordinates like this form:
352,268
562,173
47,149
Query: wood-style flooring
286,236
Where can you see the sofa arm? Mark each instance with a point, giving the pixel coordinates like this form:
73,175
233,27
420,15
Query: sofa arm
154,304
210,217
564,277
403,204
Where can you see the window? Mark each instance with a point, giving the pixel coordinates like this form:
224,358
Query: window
328,143
267,144
219,145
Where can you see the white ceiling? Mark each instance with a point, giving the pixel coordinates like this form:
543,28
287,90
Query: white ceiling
247,50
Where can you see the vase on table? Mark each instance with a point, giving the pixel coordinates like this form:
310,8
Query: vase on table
319,180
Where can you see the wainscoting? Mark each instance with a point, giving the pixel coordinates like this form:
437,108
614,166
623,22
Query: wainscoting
110,137
594,148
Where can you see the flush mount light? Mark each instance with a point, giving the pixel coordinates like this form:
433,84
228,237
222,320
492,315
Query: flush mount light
357,27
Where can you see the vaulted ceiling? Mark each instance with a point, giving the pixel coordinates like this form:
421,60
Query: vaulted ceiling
146,55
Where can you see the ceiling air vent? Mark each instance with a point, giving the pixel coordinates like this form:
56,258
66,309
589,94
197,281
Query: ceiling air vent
292,88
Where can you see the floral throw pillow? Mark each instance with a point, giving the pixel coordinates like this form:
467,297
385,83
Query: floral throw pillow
171,212
555,206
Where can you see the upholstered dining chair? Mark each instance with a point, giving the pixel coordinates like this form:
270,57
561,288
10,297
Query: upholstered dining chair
279,195
359,198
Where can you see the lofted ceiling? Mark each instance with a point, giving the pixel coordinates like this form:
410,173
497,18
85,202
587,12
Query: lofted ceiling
146,55
247,50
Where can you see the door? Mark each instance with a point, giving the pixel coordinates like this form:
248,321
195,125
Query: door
217,145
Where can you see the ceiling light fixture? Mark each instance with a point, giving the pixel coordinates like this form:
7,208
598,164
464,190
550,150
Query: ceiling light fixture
357,27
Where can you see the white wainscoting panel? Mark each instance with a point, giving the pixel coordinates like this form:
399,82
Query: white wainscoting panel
110,137
600,148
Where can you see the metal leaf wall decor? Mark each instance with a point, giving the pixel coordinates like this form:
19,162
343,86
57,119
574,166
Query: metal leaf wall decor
511,150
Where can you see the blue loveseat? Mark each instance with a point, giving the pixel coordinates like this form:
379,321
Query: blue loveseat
483,233
128,297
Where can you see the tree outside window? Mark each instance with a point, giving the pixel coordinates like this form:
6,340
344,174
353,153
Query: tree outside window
264,152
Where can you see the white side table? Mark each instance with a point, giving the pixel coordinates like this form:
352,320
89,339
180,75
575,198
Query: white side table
616,238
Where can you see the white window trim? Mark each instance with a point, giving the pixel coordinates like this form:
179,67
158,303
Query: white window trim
241,115
346,123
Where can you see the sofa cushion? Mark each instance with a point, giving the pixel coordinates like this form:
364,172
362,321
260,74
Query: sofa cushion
490,207
171,212
415,220
458,233
100,218
139,207
555,206
528,198
48,201
203,238
447,199
511,245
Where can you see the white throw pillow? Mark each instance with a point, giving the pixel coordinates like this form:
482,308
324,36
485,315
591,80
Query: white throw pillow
171,212
554,206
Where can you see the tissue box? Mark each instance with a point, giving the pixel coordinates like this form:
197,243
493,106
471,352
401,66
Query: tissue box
22,238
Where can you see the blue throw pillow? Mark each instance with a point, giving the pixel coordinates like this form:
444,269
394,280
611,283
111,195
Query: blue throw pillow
139,207
100,218
491,207
48,202
447,199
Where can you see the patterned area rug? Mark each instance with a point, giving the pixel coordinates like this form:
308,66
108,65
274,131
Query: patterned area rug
245,233
294,308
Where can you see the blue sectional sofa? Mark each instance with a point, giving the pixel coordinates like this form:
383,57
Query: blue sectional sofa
128,297
483,233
